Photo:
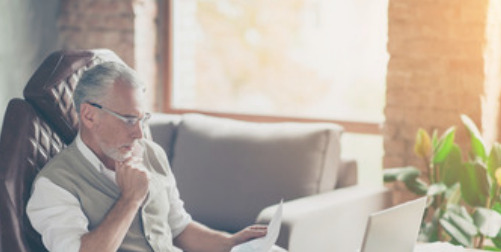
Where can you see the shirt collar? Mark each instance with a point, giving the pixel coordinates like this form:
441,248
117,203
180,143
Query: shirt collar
93,159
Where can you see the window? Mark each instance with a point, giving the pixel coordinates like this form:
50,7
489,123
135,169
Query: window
317,59
304,60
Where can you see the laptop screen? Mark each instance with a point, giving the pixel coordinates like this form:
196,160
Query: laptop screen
394,229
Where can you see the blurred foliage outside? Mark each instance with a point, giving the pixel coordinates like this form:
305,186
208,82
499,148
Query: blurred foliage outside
304,58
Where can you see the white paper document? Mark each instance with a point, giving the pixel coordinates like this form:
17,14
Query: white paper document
264,244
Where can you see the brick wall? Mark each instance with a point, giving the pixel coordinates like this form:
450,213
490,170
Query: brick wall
128,27
435,73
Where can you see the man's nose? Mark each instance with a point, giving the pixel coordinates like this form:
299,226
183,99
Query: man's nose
138,131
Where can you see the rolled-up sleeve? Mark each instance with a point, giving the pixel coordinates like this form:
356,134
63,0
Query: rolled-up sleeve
56,214
178,217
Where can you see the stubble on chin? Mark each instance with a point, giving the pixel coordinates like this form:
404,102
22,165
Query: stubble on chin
116,154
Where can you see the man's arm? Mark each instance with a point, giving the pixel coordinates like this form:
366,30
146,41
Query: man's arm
110,233
108,236
197,237
56,214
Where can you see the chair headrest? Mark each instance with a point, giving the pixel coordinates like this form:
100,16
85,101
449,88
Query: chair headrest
50,89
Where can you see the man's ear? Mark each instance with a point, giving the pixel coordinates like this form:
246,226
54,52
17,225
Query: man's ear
88,115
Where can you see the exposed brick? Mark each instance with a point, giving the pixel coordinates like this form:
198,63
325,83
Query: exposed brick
474,12
435,73
404,30
438,13
395,113
128,27
398,79
405,64
390,129
400,193
466,66
110,7
407,132
393,161
396,146
471,32
401,11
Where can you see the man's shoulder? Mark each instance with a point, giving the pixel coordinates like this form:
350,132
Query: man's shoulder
152,147
61,160
156,156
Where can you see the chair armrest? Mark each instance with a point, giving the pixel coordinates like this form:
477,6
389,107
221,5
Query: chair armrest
332,221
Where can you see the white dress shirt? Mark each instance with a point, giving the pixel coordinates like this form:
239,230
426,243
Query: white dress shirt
56,214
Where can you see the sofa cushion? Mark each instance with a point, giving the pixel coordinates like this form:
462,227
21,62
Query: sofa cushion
228,170
163,130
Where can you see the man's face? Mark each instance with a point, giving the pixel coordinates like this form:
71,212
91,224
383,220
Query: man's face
115,138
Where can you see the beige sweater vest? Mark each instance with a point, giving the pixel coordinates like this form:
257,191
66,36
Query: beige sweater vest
150,229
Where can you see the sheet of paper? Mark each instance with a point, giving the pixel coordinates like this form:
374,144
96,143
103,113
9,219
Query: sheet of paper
264,244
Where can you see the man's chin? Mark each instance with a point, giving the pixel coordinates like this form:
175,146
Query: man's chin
123,155
119,155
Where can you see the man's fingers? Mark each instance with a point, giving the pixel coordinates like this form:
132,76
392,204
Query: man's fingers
259,227
250,233
258,231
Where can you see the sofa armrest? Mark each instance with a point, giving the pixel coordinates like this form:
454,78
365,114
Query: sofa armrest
332,221
347,174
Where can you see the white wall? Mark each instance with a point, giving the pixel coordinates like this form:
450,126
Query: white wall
28,33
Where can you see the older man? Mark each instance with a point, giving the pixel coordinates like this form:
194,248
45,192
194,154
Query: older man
111,189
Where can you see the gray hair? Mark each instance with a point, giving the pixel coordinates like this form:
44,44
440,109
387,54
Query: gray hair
94,84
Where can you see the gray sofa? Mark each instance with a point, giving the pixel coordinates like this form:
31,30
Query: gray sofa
232,174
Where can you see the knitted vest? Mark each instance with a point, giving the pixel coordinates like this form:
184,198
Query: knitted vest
150,229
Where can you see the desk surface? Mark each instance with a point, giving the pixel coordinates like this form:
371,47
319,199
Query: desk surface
442,247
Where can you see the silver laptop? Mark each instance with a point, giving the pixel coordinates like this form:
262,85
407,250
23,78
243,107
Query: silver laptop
394,229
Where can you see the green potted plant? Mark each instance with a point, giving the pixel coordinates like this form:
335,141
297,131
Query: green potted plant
464,192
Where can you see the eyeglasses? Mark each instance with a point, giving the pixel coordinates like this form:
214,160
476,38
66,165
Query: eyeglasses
130,121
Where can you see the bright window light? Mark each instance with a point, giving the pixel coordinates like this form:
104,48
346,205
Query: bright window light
299,58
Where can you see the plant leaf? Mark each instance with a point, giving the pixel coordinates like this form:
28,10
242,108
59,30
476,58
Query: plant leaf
477,142
450,169
496,207
434,139
422,146
416,186
497,240
455,233
428,232
444,145
494,160
488,221
436,189
453,194
474,184
408,175
466,225
392,174
490,248
459,210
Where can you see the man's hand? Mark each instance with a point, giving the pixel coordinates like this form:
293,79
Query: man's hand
199,238
132,179
249,233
